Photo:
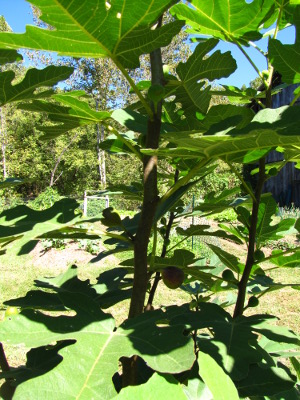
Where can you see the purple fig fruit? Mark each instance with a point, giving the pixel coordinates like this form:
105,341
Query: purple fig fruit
172,277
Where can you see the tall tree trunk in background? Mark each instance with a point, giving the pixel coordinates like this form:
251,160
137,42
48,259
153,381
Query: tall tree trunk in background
52,181
101,155
3,136
100,152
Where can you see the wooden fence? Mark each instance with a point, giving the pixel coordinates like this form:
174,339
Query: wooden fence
285,187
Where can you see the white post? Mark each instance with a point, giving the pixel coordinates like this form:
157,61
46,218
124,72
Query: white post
85,205
106,201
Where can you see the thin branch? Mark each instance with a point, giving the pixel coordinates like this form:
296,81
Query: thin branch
270,66
163,253
242,286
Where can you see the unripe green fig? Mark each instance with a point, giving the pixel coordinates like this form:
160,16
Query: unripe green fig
156,93
273,171
163,221
259,255
253,301
193,304
10,311
111,218
227,274
173,277
166,69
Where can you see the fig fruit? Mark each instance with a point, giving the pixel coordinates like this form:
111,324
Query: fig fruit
156,93
172,277
166,70
228,275
10,311
111,218
253,301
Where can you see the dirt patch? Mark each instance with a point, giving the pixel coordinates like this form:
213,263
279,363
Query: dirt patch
62,258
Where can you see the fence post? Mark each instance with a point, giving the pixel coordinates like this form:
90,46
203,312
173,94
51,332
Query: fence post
85,205
106,201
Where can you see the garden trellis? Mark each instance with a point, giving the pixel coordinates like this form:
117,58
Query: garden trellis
104,201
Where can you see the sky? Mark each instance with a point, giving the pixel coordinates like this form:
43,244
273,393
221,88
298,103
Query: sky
18,14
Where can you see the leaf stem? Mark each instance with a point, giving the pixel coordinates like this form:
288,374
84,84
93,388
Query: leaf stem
177,244
244,183
277,255
152,260
184,180
257,48
126,142
260,103
252,63
135,89
295,99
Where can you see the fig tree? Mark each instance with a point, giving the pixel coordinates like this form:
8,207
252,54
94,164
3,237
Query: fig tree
172,277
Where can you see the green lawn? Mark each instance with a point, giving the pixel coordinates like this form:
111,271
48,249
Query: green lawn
18,275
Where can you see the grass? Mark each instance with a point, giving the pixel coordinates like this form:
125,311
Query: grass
18,275
283,303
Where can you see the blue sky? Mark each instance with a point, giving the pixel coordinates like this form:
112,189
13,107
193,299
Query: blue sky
18,14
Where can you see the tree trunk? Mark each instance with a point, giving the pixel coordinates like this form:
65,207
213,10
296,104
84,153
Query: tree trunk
101,155
52,180
3,143
150,198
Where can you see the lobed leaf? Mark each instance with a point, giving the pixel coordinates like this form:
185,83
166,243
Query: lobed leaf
268,129
205,230
157,386
192,93
233,20
89,364
34,79
233,343
265,229
97,29
26,225
218,382
286,57
74,114
9,56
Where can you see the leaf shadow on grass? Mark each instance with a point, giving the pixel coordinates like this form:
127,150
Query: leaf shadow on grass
88,333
